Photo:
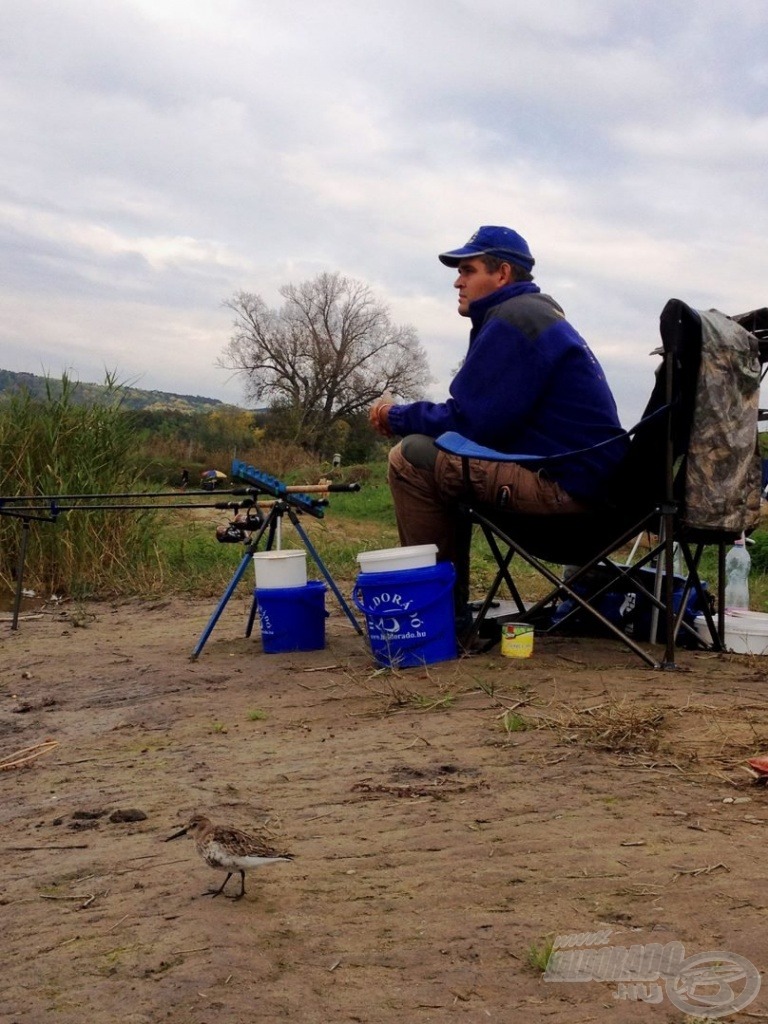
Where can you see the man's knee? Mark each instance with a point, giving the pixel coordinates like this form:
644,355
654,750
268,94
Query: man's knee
412,459
419,450
411,477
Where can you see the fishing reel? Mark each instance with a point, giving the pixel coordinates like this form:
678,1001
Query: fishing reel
244,523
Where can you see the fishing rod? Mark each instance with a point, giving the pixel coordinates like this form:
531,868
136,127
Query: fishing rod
55,503
56,508
284,499
120,494
329,488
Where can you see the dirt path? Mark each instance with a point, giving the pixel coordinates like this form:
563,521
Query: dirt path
445,822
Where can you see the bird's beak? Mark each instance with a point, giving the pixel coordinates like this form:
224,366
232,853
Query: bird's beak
181,832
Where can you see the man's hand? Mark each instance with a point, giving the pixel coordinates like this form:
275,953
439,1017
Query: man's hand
378,414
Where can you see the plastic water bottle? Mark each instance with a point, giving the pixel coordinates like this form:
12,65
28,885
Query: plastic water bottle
737,566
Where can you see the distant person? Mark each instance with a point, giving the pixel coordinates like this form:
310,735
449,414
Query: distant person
184,479
529,383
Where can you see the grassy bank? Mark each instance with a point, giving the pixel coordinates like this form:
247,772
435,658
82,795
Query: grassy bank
57,447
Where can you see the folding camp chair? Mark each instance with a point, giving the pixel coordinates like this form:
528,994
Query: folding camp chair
654,491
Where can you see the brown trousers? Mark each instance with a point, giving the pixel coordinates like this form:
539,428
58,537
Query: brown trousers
425,498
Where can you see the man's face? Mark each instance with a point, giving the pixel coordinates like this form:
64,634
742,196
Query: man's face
475,281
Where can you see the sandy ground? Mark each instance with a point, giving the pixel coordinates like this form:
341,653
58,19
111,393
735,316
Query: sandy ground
445,823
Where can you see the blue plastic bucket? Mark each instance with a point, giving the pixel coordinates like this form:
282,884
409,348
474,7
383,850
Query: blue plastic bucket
409,614
292,618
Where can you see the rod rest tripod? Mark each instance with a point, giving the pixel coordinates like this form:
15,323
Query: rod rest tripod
289,501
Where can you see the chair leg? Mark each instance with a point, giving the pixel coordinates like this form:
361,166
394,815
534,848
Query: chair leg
563,587
503,562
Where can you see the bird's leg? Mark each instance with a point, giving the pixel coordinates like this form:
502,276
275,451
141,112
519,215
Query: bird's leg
242,886
215,892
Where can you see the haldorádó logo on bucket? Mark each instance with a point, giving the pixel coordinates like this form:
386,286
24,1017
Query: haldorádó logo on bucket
707,985
394,615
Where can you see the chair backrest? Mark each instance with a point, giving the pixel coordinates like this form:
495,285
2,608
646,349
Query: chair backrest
660,437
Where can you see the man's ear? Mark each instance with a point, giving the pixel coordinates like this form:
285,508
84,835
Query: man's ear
508,274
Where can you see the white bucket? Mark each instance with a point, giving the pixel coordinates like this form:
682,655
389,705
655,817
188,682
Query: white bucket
419,556
276,570
744,633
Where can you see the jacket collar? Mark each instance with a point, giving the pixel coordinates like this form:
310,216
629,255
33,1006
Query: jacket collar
480,307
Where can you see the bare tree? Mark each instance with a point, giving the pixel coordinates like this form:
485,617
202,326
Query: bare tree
329,352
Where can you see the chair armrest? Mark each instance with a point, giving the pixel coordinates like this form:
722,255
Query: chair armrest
457,444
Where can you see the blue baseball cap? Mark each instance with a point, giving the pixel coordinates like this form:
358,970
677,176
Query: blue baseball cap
492,241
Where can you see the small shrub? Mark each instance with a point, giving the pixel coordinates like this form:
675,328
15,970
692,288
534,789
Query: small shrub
512,722
538,956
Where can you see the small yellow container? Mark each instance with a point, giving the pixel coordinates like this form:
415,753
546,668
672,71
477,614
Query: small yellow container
517,640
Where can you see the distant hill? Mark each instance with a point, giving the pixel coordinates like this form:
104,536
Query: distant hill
132,398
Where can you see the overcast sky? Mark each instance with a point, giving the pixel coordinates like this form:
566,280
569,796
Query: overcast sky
160,155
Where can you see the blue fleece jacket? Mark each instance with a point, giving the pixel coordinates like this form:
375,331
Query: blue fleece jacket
529,384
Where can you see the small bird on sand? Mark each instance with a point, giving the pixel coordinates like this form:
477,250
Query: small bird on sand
228,849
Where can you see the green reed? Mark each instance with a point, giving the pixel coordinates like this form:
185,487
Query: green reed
58,446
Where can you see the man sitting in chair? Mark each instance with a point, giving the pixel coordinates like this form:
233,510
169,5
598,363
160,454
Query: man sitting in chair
528,384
